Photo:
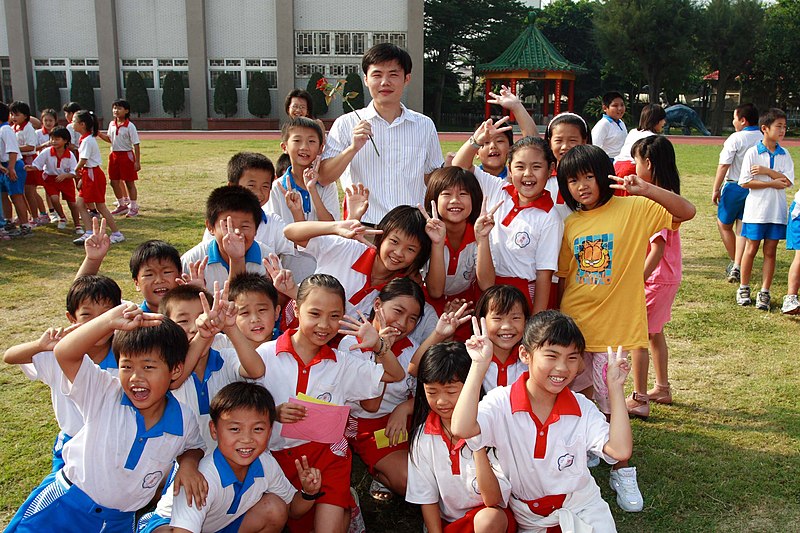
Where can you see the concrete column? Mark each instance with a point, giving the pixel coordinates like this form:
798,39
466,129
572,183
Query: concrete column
19,51
198,63
415,41
284,24
105,12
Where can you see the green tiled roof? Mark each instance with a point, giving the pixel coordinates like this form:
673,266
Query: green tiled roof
530,51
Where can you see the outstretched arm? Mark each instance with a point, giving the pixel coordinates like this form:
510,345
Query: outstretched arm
511,101
487,129
302,232
680,208
465,415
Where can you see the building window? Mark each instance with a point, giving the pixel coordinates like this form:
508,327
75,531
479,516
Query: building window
153,71
337,70
305,44
397,39
349,69
242,70
5,79
63,69
318,43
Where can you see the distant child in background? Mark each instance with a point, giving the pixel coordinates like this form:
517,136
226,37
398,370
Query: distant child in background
730,196
301,197
20,117
281,165
651,122
91,178
564,132
298,103
601,265
12,178
610,131
663,269
767,169
791,305
49,120
527,233
124,161
69,110
458,489
58,167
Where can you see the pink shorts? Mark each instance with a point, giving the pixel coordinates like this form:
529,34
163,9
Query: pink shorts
596,366
659,298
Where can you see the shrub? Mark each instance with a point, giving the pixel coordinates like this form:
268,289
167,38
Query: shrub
226,101
47,94
81,90
320,106
173,98
136,94
259,102
353,84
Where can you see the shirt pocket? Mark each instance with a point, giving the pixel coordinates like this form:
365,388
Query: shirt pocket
568,462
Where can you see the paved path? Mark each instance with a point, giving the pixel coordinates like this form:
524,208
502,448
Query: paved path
448,136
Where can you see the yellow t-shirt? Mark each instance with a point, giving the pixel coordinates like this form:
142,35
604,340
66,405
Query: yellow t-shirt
602,263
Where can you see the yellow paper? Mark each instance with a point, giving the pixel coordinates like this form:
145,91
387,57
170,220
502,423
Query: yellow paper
382,441
307,398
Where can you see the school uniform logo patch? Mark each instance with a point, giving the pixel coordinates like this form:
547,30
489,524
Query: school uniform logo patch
522,239
151,480
325,397
565,461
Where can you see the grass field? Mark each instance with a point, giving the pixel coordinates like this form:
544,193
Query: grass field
724,457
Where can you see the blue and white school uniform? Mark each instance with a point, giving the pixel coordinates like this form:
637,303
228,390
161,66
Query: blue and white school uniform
228,498
9,145
609,134
765,214
733,195
329,194
113,466
217,268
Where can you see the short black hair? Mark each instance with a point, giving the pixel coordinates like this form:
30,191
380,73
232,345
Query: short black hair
384,53
402,287
62,133
303,94
3,112
501,299
243,395
585,159
94,288
182,293
651,115
554,328
771,115
242,161
50,111
749,112
454,177
168,338
121,103
71,107
409,221
301,122
610,96
152,249
251,282
282,165
20,107
232,198
572,119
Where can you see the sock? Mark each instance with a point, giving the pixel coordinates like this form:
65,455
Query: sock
125,200
134,205
737,267
744,286
764,290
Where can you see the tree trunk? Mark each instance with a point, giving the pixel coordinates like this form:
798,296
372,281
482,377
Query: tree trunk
719,106
441,67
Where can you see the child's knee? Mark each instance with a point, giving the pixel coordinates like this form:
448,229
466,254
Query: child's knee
267,516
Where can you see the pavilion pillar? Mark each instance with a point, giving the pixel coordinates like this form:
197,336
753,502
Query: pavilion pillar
513,87
571,97
546,99
487,109
557,102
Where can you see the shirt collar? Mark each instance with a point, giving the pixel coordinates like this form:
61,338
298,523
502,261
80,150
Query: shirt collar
512,358
399,346
305,196
144,307
543,202
433,426
110,361
123,125
54,153
20,127
566,403
762,148
502,174
228,478
253,254
171,421
284,345
82,138
466,240
750,128
613,120
371,112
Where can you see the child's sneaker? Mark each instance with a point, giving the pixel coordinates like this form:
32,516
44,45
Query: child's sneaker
116,237
133,211
25,230
791,305
734,275
54,218
762,300
62,223
623,482
743,296
592,460
79,230
121,210
82,239
43,220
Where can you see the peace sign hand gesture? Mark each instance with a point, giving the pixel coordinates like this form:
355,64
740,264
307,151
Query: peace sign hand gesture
489,129
310,478
479,347
434,227
293,200
450,321
282,278
484,224
632,184
618,368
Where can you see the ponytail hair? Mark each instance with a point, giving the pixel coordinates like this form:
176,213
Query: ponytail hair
89,119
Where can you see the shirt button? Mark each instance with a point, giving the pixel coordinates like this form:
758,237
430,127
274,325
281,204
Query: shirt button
541,433
453,452
536,504
305,371
141,439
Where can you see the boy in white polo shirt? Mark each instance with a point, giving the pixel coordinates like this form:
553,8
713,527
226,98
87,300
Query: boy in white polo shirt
246,486
767,169
610,131
124,161
232,215
110,474
541,430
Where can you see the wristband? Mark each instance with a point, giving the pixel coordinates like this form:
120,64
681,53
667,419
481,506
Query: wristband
382,348
474,143
311,497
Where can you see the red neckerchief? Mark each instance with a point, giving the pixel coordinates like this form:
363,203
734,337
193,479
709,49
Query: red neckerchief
469,238
433,426
363,265
543,202
18,127
54,153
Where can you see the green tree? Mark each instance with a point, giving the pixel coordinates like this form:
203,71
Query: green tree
353,84
47,93
226,101
81,90
318,98
724,23
652,38
173,97
136,93
259,101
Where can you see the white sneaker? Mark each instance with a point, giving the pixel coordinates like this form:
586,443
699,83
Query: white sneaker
62,224
54,217
117,237
623,482
592,460
791,305
82,239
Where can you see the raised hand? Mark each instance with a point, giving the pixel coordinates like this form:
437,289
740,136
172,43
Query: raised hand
479,347
618,368
98,243
282,278
311,174
389,334
484,224
353,229
293,200
434,227
363,330
310,478
357,199
129,316
632,184
232,240
50,338
196,275
506,98
450,321
489,129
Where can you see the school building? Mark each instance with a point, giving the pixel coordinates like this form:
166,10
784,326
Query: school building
288,40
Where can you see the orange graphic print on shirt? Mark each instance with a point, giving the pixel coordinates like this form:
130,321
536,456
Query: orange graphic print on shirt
594,256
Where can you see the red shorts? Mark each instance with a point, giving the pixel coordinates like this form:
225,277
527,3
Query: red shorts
364,442
335,472
120,166
527,287
93,185
64,188
33,177
466,524
622,169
